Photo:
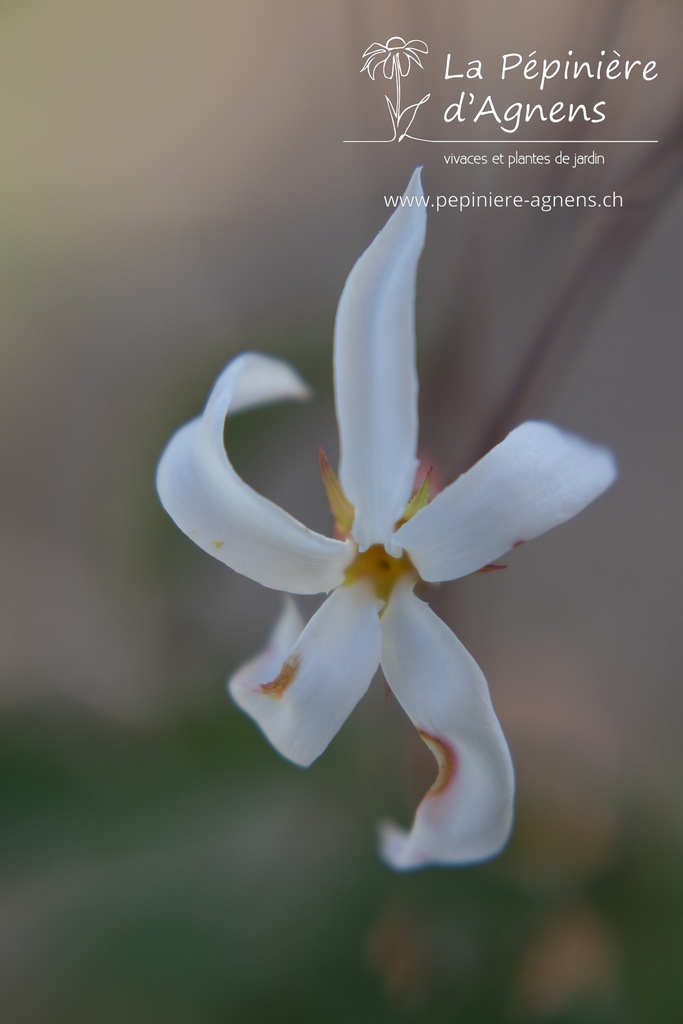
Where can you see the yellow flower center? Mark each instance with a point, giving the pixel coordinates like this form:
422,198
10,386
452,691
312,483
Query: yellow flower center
380,568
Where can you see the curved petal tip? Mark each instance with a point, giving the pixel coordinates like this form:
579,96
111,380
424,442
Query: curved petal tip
466,816
209,501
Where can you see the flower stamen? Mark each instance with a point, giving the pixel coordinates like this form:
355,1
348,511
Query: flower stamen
381,569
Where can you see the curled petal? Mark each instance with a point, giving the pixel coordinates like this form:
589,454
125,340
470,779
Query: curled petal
537,478
203,494
375,375
467,814
301,701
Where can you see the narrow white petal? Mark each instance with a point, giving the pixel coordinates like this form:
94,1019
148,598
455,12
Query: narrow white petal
302,702
537,478
467,815
375,376
206,498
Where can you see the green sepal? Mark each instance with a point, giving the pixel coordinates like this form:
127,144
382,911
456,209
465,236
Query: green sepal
419,500
342,509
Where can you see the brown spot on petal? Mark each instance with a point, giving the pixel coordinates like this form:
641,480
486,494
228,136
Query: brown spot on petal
446,760
286,677
218,543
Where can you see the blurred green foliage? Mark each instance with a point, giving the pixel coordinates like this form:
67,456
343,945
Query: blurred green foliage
186,875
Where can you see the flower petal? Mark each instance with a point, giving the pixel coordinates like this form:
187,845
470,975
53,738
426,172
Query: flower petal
374,62
374,48
375,376
203,494
303,702
413,57
537,478
467,814
268,662
402,60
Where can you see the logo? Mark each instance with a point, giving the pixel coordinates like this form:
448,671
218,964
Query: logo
395,58
498,112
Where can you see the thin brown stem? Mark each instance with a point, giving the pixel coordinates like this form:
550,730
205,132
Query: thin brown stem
588,286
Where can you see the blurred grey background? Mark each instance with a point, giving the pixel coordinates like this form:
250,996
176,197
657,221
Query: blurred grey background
174,188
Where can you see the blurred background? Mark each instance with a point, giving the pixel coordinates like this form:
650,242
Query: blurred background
174,188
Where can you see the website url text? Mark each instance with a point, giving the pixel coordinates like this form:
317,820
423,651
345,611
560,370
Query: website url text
490,200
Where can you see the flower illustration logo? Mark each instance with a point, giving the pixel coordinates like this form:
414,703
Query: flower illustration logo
395,58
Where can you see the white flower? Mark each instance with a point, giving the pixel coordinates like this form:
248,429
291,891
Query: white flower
307,681
394,57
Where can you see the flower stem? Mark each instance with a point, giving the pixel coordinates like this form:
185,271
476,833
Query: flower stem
397,70
648,188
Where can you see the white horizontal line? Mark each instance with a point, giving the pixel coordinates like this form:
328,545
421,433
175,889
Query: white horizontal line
522,142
